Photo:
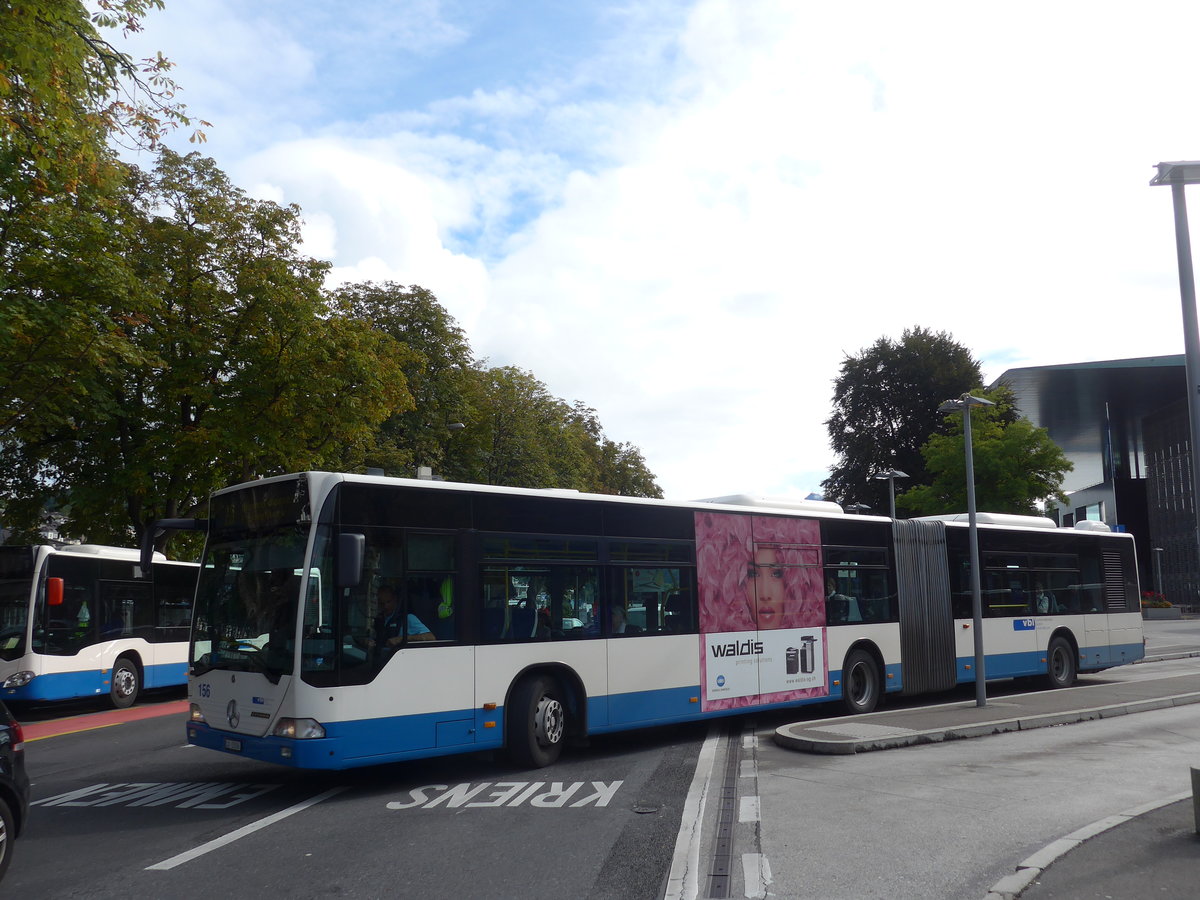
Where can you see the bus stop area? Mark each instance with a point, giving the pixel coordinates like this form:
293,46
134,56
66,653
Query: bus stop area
1150,849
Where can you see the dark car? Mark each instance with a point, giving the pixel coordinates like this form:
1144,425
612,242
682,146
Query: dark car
14,785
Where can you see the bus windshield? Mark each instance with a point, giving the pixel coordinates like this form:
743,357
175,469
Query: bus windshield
249,587
16,579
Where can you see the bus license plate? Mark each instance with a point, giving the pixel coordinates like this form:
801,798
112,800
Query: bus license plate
232,744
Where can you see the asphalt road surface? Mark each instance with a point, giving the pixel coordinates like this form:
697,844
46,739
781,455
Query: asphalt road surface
129,810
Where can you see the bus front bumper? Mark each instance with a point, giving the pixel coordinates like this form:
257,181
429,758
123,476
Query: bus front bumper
302,754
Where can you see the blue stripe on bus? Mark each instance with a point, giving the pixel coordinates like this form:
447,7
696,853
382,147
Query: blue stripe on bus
1033,662
399,738
60,686
69,685
165,675
373,741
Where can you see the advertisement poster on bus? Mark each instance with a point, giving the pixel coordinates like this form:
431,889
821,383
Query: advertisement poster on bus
762,610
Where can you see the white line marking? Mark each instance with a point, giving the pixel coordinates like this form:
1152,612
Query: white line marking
683,881
748,768
749,741
749,809
757,874
217,843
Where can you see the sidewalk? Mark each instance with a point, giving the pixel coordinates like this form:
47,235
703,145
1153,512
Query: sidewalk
1117,857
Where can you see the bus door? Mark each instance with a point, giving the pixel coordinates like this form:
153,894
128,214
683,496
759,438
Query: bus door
1009,628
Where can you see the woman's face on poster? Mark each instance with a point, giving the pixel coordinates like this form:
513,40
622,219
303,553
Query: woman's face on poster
765,589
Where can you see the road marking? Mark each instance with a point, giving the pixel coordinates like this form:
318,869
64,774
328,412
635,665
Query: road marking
509,793
749,809
756,872
181,795
683,881
242,832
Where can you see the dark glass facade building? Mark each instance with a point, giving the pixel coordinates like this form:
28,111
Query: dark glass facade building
1124,424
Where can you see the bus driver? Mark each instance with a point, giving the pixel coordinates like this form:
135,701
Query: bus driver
388,631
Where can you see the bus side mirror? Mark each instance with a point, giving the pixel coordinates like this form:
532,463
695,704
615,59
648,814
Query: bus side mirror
352,550
146,560
54,591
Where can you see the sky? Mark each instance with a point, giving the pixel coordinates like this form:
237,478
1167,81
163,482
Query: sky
688,214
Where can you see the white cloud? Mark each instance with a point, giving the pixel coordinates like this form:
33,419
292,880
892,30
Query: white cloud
692,231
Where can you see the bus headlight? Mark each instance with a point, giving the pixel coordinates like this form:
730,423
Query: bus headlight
298,729
19,679
194,714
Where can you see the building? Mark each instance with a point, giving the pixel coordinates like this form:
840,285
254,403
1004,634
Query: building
1124,424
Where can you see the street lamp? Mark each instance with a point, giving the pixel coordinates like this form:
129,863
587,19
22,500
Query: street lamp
1178,174
891,475
964,403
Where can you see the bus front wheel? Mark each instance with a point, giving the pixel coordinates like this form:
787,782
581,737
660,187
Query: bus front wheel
1060,664
861,684
124,683
536,723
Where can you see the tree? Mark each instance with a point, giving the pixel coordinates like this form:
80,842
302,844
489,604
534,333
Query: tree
519,434
240,371
1017,466
437,365
618,469
65,92
885,409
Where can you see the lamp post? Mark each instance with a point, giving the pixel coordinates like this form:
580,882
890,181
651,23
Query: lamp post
1178,174
891,475
964,403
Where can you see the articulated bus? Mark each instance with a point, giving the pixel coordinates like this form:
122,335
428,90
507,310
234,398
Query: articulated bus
83,620
349,620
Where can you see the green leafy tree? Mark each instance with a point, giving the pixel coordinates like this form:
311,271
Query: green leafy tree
519,434
885,404
1017,466
617,468
437,364
65,93
242,371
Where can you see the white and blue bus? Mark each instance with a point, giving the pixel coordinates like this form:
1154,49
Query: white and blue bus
82,621
350,620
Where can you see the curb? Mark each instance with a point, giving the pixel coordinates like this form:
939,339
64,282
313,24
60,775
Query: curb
1030,869
890,738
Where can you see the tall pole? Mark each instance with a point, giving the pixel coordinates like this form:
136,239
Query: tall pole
1191,345
891,475
973,536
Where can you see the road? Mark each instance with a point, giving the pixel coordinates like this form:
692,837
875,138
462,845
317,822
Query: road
129,809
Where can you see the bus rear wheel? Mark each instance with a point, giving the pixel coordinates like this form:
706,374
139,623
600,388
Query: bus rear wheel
124,683
1060,664
861,683
536,723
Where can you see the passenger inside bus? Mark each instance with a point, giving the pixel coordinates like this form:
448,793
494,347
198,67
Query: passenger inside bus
1044,600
